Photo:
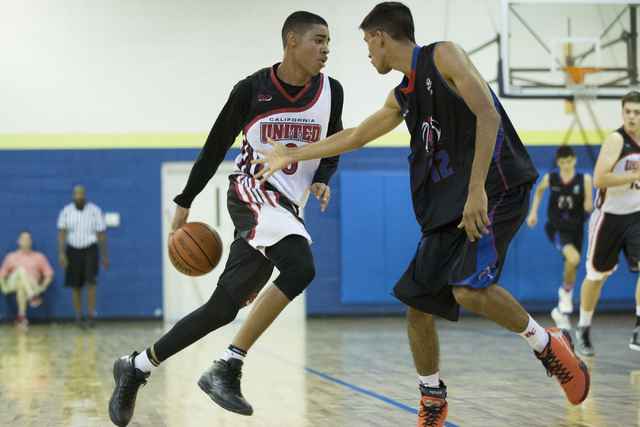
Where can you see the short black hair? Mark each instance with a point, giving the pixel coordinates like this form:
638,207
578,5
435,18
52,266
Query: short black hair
632,96
300,22
393,18
564,151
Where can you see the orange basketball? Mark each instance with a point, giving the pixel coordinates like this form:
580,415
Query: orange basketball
195,249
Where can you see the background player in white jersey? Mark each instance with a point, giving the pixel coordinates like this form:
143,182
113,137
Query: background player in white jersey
291,101
615,223
569,204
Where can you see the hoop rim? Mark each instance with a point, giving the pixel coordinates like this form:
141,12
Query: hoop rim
577,74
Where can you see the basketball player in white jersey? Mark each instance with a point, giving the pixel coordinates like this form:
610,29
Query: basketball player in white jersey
291,101
615,223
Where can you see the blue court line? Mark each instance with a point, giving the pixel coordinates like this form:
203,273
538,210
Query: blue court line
351,386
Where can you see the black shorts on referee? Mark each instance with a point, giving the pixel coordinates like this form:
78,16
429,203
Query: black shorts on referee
83,266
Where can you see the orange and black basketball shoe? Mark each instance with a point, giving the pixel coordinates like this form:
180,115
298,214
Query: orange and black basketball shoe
433,406
561,361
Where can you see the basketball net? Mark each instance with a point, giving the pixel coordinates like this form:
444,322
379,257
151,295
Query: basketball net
584,93
575,81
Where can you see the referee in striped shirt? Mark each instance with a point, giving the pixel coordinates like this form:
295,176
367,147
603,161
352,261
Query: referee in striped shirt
80,227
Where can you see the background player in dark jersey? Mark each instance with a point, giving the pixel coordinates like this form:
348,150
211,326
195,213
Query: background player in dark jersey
614,225
470,181
570,202
291,100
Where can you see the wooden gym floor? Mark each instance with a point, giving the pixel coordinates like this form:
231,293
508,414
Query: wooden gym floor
322,372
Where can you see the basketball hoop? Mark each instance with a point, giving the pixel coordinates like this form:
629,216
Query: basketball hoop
575,80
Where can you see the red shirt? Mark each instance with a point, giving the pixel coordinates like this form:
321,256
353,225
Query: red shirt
34,262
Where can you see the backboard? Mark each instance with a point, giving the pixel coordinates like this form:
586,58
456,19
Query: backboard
540,39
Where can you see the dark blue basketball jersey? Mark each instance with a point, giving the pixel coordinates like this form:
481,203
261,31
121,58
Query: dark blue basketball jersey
566,203
443,133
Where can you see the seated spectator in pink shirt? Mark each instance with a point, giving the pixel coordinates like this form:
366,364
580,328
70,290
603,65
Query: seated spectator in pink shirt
27,273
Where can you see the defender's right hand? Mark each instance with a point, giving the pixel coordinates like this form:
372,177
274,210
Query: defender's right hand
278,158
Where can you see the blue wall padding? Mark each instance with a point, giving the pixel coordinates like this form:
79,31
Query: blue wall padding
362,242
35,185
378,233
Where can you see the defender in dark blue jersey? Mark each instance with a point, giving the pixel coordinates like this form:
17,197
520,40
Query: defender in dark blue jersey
470,182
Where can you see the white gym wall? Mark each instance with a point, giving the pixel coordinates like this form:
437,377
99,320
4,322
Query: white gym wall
162,66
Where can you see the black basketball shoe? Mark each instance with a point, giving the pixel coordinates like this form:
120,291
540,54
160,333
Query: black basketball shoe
583,340
222,383
128,381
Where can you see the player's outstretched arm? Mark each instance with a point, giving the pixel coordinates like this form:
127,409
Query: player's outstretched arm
379,123
532,219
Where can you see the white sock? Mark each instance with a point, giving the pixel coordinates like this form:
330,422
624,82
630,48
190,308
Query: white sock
585,318
637,310
431,381
143,363
535,335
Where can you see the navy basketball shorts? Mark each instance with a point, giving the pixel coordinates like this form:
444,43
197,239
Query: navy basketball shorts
561,238
608,235
83,266
447,257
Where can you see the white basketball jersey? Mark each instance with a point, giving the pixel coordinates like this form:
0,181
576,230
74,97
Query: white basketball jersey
295,124
622,199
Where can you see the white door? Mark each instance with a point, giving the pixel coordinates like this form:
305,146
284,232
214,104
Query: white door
183,294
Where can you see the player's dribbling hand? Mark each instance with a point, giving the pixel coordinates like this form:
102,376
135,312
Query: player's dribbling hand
179,219
474,216
278,158
322,192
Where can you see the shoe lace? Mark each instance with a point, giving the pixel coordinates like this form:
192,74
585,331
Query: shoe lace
129,391
554,367
233,377
429,415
